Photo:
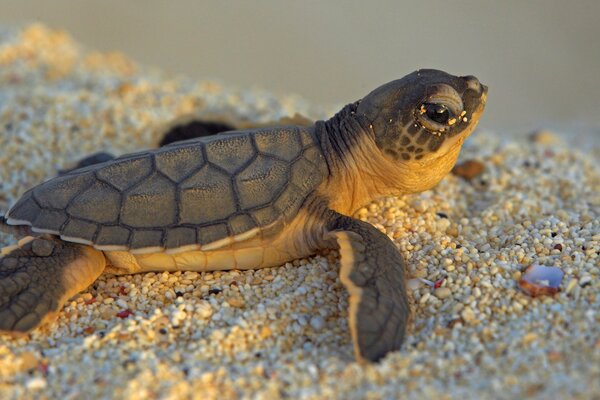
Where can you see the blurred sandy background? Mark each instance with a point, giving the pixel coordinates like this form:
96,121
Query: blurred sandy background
541,59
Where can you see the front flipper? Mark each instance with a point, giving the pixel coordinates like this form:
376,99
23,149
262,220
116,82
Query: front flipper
372,270
38,276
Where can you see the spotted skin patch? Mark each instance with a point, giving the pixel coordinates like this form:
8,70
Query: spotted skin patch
413,129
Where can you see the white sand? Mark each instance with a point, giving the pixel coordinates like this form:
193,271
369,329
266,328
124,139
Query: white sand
282,332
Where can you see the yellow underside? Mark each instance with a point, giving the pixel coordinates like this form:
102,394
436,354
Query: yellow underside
242,258
241,252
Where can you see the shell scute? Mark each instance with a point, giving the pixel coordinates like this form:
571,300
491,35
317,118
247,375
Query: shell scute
142,239
177,162
256,183
63,188
108,235
84,206
231,152
150,204
179,237
125,173
79,229
206,196
269,142
212,233
239,224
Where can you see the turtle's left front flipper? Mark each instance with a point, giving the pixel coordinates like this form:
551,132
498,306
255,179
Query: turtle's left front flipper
38,275
372,270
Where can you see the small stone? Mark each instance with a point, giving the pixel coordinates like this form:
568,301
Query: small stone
585,280
468,315
122,303
265,332
571,285
124,314
414,284
554,356
468,169
544,137
236,302
36,383
529,338
29,360
88,330
85,297
317,322
442,292
204,310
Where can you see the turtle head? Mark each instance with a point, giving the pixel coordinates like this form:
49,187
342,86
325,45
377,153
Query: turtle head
421,121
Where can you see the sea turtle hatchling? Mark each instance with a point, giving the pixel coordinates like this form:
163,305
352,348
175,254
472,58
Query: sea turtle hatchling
247,199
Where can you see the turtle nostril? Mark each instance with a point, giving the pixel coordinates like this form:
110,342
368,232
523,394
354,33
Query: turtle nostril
473,83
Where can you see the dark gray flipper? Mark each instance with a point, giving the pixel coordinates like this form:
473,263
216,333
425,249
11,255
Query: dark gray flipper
38,276
193,129
372,269
93,159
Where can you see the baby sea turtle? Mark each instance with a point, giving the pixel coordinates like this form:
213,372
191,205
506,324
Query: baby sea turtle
247,199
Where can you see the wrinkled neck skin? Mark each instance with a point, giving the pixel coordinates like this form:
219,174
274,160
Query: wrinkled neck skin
359,172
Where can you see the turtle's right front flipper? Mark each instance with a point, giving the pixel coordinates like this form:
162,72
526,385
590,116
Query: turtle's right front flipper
38,276
372,270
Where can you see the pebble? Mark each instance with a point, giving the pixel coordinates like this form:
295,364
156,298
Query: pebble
468,169
236,302
571,285
318,323
28,361
544,137
290,338
36,383
585,280
468,315
442,292
204,310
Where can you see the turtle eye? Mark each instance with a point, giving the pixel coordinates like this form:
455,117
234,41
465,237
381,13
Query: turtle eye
437,113
436,117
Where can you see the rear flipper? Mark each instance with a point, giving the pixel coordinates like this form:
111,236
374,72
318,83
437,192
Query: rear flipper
38,276
192,127
186,129
93,159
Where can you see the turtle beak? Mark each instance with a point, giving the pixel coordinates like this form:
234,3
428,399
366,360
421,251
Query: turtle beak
484,94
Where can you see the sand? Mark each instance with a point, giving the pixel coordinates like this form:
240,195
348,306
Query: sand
282,332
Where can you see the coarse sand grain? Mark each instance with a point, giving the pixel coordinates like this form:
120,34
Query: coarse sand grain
282,332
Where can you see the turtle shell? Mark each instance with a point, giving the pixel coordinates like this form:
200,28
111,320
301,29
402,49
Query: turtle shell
185,195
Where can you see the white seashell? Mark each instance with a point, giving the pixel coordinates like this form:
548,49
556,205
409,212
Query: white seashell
538,280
